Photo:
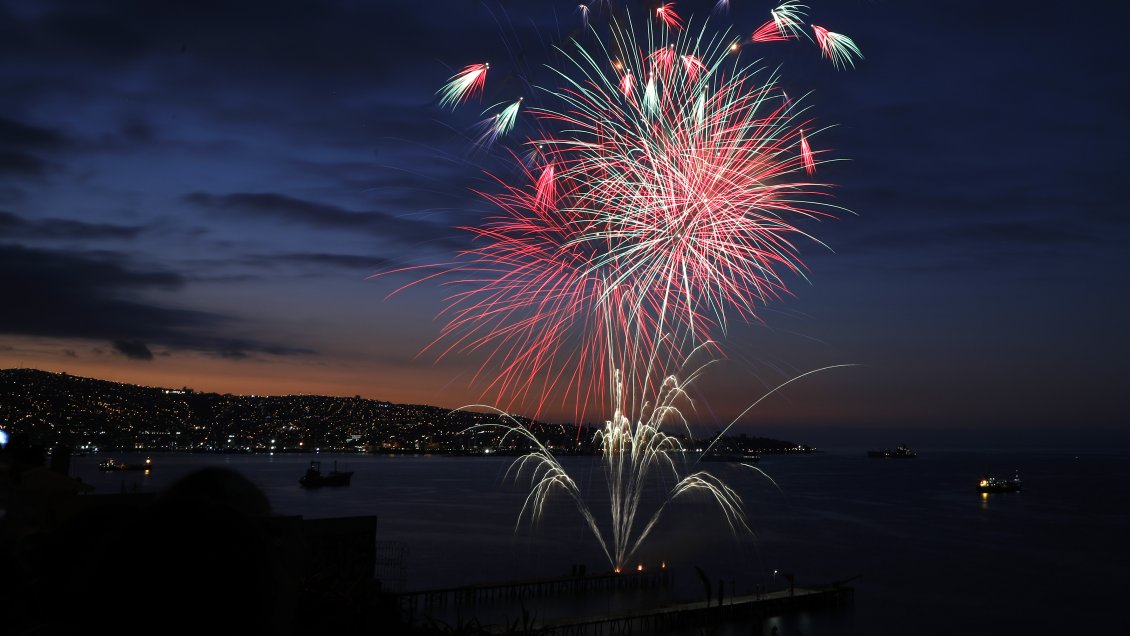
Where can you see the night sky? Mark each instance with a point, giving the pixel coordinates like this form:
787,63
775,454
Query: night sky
198,193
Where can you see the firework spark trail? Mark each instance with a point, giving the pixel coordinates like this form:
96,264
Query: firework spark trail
667,15
464,84
498,124
635,448
789,18
693,67
836,47
636,454
546,474
659,197
806,154
769,32
507,117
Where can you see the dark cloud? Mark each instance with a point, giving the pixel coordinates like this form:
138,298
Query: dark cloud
14,134
68,272
11,194
133,349
280,206
340,261
22,164
412,184
21,145
306,263
13,226
274,206
299,39
52,290
255,268
138,131
334,73
978,236
1033,233
240,348
100,296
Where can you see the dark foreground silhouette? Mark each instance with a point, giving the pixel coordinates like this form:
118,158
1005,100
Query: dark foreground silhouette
205,556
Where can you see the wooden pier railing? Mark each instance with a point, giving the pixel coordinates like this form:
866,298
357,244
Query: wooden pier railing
653,620
660,620
468,595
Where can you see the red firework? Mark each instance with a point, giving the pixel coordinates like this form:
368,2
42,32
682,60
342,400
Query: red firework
769,32
643,219
667,15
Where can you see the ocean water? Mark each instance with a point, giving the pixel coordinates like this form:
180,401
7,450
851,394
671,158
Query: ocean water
925,552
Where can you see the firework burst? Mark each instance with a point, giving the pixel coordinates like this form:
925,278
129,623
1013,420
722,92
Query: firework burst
680,205
661,197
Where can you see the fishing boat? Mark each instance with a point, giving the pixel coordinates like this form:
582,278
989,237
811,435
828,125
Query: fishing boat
314,478
998,484
113,464
900,452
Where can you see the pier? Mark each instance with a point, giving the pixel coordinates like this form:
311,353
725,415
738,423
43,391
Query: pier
697,614
645,620
411,603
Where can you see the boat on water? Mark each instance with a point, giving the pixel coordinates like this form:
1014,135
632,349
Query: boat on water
902,451
113,464
315,478
999,484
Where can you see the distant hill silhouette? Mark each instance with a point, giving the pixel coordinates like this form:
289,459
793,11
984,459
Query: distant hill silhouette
88,414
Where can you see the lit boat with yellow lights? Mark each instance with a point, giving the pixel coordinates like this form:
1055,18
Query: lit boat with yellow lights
998,484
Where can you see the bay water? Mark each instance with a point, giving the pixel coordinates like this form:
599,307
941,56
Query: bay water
925,552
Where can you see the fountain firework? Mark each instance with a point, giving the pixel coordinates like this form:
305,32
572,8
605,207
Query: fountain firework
658,197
